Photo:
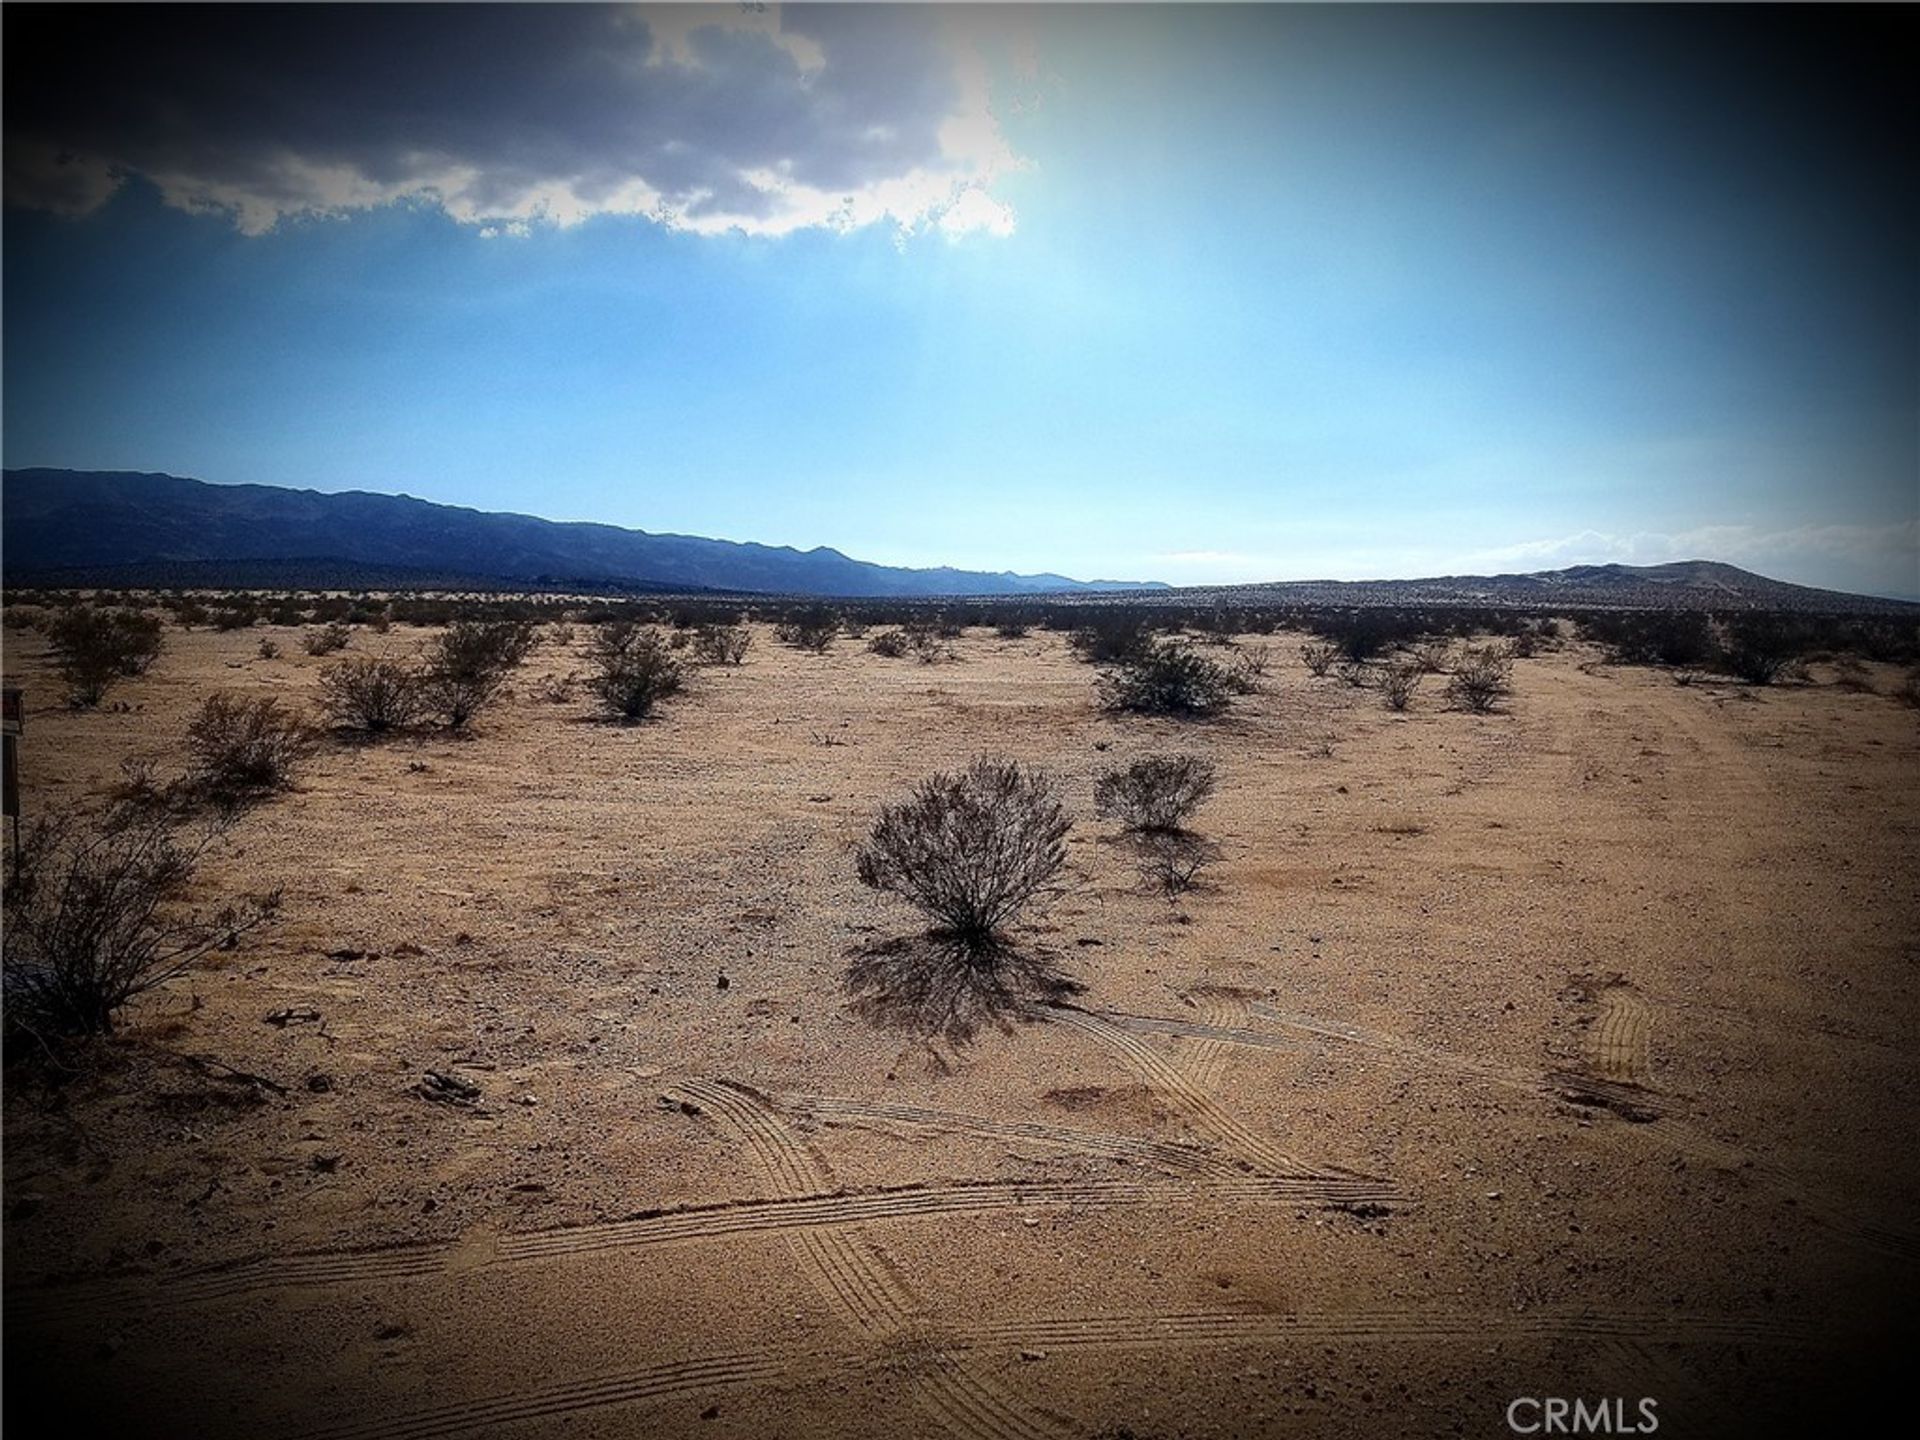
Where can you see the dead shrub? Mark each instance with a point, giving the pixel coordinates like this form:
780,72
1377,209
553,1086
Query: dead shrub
1171,861
721,644
970,849
812,629
242,747
327,639
1482,677
891,644
374,696
1158,793
1398,681
634,669
95,917
1318,656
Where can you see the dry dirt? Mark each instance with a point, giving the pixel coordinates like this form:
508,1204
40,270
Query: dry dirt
1563,1052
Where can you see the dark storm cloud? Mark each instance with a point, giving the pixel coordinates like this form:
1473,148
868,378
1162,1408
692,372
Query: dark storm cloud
712,118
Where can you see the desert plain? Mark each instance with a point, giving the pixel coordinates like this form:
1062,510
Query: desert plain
1566,1051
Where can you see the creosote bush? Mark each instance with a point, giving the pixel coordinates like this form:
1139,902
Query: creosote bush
970,849
1318,656
1482,677
891,644
239,747
1156,794
369,695
1165,677
721,644
467,665
96,646
1398,681
633,669
94,918
812,629
1171,860
326,639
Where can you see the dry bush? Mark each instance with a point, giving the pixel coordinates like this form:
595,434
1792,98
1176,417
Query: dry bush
1398,681
633,669
94,918
1171,860
327,638
1761,649
1353,672
239,747
1157,793
1167,678
892,644
467,666
721,644
929,648
374,696
970,849
268,650
813,629
95,647
1481,678
1318,656
1908,692
1012,628
1110,637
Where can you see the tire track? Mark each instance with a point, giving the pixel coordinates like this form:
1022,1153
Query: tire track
1631,1334
1207,1057
1619,1047
849,1270
1236,1327
693,1225
624,1388
1174,1156
1178,1090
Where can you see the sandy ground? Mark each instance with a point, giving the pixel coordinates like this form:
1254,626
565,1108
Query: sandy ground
1564,1052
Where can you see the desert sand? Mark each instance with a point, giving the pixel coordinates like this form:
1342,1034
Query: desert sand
1565,1051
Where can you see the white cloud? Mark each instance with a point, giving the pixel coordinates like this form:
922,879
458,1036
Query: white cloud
705,119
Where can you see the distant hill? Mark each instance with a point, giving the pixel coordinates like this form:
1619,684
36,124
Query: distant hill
1681,585
126,528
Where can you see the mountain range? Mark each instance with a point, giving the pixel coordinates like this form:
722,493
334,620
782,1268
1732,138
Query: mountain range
133,528
122,528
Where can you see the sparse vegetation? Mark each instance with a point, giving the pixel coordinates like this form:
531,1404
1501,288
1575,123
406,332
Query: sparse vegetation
373,696
721,644
1165,677
327,639
633,669
1318,656
95,647
970,849
1398,681
467,666
240,747
891,644
1171,860
812,629
1157,794
94,918
1482,677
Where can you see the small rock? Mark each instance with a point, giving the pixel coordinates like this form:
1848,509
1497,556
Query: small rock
1033,1354
527,1099
722,982
293,1015
320,1083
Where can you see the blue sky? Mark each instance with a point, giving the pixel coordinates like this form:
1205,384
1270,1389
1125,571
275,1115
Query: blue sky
1188,294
